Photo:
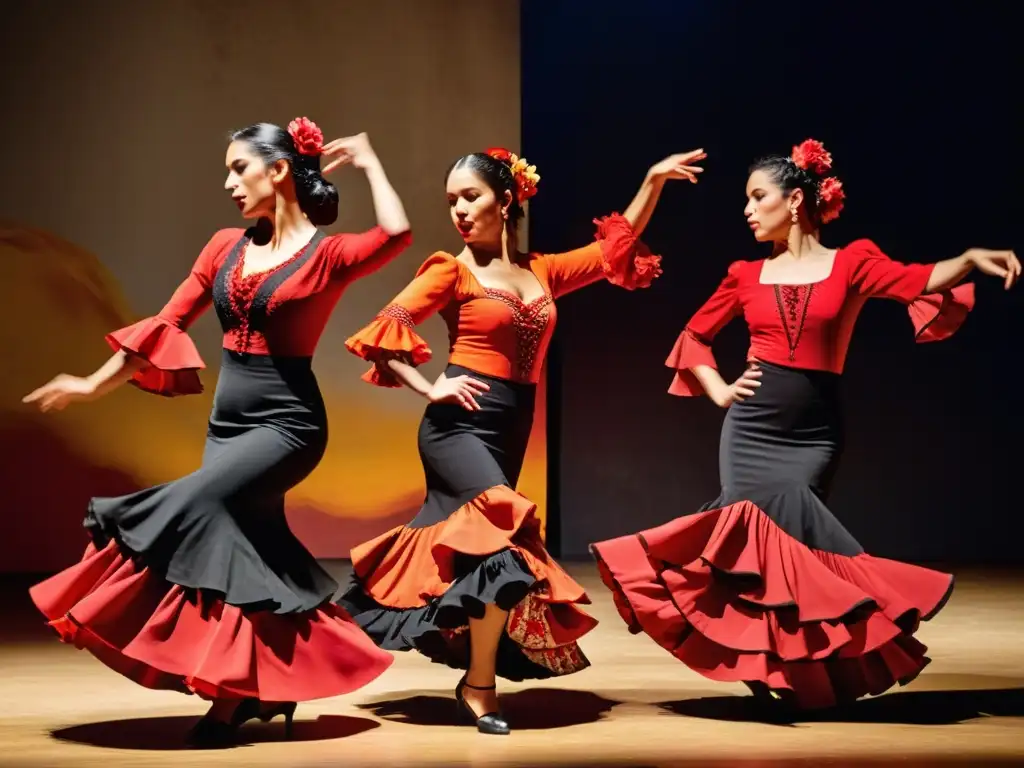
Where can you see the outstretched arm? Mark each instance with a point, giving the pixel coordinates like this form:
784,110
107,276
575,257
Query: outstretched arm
874,274
948,273
679,166
63,389
618,255
156,353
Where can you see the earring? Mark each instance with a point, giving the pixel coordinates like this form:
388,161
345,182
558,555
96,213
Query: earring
794,216
504,215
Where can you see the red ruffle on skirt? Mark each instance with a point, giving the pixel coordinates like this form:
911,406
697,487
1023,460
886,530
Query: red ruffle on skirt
162,637
407,568
735,598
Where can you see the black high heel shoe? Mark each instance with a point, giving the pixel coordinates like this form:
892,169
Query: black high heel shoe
491,723
285,708
209,732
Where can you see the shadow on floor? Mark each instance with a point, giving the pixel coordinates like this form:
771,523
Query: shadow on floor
168,733
532,709
933,706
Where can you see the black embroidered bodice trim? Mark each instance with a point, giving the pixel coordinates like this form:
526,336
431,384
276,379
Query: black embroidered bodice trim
240,313
792,302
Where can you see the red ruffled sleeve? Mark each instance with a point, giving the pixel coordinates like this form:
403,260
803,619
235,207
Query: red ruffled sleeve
173,362
693,347
936,316
391,335
617,255
355,255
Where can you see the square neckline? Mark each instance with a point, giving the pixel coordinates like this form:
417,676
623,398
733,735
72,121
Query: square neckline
545,293
826,278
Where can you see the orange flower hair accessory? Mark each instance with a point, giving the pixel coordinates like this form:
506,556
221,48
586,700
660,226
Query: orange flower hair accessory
811,155
308,138
525,175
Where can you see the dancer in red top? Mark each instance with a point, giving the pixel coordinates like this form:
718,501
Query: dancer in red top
198,585
764,585
468,582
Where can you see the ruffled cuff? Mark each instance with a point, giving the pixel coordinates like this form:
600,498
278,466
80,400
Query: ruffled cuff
173,360
937,316
390,336
687,354
628,263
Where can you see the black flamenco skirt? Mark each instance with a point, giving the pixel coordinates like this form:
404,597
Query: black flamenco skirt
199,585
474,542
764,585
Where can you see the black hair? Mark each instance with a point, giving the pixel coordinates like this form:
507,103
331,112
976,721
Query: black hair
790,177
497,175
317,197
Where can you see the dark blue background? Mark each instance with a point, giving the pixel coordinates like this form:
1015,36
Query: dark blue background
917,108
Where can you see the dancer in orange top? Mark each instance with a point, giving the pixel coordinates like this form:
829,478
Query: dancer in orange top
198,585
468,582
765,585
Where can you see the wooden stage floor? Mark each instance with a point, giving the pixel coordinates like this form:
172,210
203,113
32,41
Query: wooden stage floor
635,707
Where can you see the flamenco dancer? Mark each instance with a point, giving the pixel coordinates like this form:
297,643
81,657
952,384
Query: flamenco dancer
468,581
199,585
764,585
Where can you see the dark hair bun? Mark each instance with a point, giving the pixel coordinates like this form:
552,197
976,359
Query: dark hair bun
317,197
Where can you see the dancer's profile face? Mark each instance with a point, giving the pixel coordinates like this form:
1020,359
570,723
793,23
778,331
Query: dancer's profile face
768,209
251,181
475,209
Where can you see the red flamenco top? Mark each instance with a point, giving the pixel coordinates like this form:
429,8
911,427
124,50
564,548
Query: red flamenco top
809,326
280,311
490,330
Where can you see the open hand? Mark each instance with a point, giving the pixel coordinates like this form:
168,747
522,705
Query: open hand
59,392
462,390
679,166
351,149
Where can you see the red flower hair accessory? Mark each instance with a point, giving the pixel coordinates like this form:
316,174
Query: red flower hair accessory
525,175
308,138
830,199
812,156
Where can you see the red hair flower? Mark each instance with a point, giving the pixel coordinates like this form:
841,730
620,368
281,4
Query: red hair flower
308,138
525,175
812,155
499,153
830,199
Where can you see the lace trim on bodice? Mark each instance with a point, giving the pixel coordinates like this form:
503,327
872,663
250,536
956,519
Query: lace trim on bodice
792,302
530,320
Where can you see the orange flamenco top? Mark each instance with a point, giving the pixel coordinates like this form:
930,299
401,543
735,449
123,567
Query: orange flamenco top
280,311
809,326
492,331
